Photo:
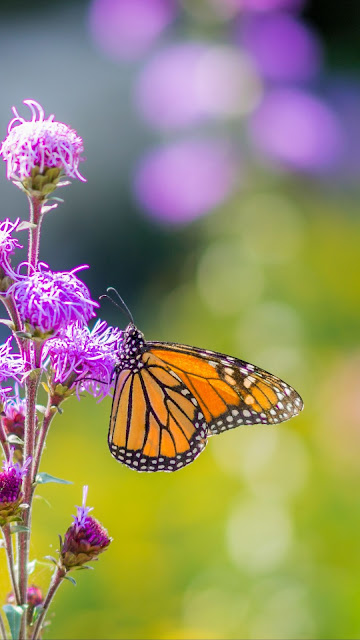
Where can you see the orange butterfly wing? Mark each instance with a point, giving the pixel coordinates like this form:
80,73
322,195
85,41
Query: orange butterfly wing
156,423
230,392
163,411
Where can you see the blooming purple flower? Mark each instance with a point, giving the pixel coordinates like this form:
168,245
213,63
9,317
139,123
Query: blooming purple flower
84,540
49,300
80,353
42,143
10,488
8,244
11,364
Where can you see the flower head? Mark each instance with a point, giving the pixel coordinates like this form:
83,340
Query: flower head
87,355
7,246
48,301
10,489
84,540
33,147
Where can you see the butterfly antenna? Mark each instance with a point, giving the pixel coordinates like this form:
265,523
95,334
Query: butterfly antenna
123,307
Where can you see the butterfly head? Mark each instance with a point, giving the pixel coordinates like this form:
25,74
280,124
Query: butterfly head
131,347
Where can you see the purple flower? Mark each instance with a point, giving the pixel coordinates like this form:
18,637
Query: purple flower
84,540
10,488
8,244
11,364
42,143
78,353
49,301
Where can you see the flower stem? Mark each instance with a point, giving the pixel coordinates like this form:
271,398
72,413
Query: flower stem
34,233
31,386
10,561
56,580
41,440
2,628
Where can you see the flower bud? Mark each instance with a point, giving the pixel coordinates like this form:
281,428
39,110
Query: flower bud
34,598
11,496
84,540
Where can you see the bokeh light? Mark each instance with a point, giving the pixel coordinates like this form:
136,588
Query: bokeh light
260,534
181,181
125,29
298,130
187,83
222,143
283,48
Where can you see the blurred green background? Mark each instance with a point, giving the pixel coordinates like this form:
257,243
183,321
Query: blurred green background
222,158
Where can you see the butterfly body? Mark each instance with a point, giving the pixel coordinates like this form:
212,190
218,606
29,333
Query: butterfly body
170,398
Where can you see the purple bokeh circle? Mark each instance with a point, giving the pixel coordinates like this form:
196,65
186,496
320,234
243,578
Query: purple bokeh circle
298,130
183,180
125,29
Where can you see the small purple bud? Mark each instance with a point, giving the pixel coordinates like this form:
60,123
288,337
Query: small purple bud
84,540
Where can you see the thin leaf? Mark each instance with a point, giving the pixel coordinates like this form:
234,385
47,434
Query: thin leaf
85,566
14,614
51,558
70,579
46,209
26,225
31,566
44,478
40,407
13,439
19,528
36,612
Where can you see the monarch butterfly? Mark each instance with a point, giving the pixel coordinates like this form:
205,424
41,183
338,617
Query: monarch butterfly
169,398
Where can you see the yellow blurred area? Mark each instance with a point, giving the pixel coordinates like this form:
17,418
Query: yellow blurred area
259,536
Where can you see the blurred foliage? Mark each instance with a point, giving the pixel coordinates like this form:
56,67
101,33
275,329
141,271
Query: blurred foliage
259,537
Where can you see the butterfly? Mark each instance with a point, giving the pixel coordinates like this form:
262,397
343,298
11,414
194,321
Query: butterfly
170,398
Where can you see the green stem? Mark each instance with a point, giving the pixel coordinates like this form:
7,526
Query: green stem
10,561
56,580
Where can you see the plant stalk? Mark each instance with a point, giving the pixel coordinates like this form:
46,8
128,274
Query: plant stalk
10,561
56,580
34,233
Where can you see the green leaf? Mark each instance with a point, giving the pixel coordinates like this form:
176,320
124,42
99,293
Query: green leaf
85,566
14,614
36,613
70,579
31,566
18,528
44,478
